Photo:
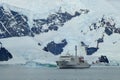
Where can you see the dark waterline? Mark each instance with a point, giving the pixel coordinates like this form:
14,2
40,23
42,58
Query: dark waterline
8,72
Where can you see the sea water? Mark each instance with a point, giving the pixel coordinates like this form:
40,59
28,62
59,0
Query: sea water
17,72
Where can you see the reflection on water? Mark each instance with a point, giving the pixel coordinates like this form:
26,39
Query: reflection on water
12,72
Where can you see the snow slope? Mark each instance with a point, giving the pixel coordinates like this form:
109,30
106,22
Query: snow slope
25,49
74,31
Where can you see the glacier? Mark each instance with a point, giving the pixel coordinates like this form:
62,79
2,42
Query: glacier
93,26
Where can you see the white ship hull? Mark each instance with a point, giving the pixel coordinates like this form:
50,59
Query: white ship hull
72,65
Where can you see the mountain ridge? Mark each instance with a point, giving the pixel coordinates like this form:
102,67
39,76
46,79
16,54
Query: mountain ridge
93,32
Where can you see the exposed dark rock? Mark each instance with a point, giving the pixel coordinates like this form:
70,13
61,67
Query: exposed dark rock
5,55
54,21
108,24
1,12
35,30
108,31
83,44
103,59
91,50
100,40
53,27
55,48
39,44
13,24
77,14
117,30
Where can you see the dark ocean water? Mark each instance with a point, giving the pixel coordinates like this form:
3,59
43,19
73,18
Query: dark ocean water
8,72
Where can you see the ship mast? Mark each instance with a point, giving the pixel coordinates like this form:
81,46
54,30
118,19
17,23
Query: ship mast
76,60
75,51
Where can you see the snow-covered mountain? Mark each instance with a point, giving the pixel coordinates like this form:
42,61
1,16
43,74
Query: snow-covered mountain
41,31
